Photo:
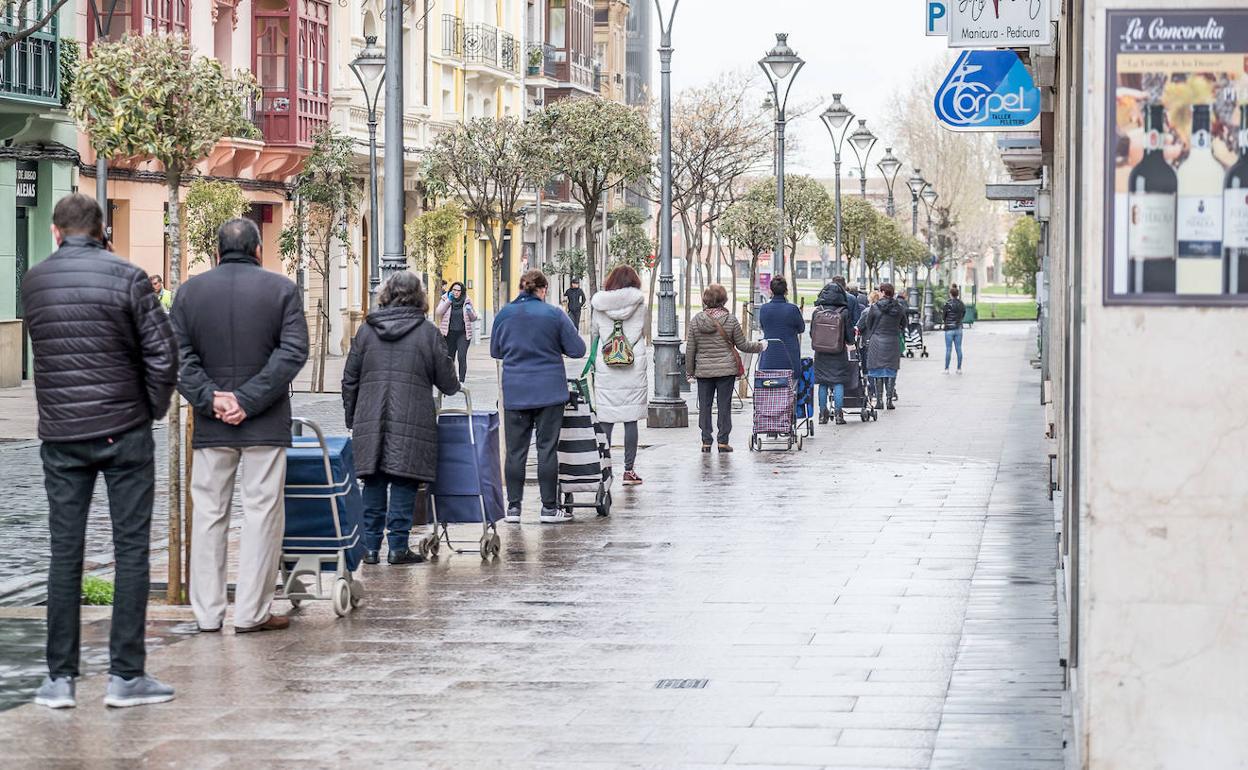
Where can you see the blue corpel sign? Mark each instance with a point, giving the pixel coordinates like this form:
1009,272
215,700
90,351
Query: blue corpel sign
988,91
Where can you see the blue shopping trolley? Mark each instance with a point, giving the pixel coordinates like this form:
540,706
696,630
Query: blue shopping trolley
324,521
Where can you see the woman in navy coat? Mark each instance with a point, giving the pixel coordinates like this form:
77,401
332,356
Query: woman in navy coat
782,320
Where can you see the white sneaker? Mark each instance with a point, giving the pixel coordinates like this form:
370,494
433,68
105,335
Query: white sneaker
946,371
556,516
513,515
139,691
959,371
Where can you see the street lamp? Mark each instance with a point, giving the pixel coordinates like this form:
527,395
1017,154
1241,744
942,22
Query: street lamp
837,118
862,140
369,67
394,258
103,24
667,409
916,183
781,65
929,196
889,166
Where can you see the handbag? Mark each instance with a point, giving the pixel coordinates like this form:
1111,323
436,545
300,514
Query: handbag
618,351
733,348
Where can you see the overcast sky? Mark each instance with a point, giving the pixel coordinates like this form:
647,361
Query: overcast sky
864,49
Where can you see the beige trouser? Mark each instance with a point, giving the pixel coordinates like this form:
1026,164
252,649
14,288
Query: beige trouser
264,511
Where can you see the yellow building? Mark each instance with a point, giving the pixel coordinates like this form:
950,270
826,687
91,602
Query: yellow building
611,48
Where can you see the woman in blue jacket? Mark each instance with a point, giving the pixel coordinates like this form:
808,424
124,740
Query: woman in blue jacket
782,320
531,338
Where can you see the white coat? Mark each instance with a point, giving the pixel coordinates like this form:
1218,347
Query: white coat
621,392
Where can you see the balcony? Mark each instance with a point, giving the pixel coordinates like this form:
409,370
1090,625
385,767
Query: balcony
291,62
30,70
479,44
540,60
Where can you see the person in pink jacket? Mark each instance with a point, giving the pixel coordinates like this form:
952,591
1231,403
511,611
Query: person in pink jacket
455,319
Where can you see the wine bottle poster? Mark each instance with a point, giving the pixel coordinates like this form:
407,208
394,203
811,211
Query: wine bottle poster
1177,197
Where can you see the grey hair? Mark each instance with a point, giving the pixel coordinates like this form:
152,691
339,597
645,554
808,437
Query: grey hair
403,289
240,235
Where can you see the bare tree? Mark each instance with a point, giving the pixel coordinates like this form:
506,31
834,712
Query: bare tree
27,18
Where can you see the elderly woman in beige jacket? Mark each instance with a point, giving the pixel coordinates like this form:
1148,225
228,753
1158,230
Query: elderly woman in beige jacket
712,358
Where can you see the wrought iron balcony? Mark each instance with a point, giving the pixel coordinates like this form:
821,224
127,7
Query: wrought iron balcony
481,44
452,35
509,53
30,70
540,59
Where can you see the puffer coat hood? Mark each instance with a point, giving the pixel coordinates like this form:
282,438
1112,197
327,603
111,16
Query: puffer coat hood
833,295
395,323
618,305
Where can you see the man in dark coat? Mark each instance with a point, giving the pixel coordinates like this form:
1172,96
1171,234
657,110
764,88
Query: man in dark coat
243,339
396,360
835,369
105,367
881,328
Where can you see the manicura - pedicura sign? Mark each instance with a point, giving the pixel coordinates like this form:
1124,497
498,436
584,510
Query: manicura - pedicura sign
1177,145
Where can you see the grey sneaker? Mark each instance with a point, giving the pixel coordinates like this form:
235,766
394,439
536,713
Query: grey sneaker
140,691
56,693
513,515
556,516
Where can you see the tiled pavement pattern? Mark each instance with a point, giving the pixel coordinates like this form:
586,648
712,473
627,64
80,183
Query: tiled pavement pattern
882,599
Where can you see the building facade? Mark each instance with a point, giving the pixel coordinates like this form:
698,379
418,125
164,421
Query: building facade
610,49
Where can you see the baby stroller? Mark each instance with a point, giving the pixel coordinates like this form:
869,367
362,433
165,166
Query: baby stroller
914,334
858,395
775,410
324,521
469,485
584,454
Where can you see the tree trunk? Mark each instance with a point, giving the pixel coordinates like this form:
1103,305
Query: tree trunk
591,244
173,590
732,275
323,338
496,280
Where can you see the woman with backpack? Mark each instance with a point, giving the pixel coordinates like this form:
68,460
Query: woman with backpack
831,334
618,320
713,360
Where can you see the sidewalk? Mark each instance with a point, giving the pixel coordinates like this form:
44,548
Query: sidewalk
884,598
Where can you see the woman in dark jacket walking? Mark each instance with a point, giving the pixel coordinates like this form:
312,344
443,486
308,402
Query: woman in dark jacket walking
782,320
835,369
396,360
881,328
711,358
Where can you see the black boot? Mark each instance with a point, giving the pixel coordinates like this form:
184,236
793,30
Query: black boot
371,557
823,416
406,556
840,416
890,404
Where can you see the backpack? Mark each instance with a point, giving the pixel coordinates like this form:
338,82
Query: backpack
618,351
827,330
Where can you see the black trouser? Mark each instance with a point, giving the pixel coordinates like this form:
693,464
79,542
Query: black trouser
69,472
519,426
457,348
575,315
630,441
712,389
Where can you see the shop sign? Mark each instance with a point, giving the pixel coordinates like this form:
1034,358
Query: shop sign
937,18
999,23
988,91
1176,157
1023,206
27,183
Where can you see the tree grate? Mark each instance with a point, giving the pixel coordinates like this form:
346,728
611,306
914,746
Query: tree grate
680,684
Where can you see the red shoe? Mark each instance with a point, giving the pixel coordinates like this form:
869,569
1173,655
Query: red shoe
631,479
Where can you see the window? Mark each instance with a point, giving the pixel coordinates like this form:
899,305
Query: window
142,17
557,29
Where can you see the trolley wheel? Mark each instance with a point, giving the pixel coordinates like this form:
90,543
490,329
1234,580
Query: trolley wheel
295,587
434,543
909,354
486,546
603,503
875,415
568,503
357,593
924,354
799,443
341,597
496,544
863,415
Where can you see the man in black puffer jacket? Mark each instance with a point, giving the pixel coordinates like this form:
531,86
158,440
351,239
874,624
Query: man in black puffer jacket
243,338
105,368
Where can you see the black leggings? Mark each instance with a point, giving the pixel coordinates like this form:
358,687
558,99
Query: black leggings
457,347
630,441
711,390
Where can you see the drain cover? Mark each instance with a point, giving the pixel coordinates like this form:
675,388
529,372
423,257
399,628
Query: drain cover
680,684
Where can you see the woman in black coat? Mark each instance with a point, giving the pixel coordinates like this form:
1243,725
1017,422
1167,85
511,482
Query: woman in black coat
834,369
397,358
881,328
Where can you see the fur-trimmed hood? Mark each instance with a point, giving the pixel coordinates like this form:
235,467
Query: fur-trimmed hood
618,305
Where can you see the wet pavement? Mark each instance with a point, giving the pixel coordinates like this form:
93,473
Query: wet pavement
884,598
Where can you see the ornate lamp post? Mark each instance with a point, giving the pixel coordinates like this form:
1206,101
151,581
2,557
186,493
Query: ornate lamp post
929,196
667,408
369,67
889,166
103,24
862,140
837,119
394,258
781,65
916,183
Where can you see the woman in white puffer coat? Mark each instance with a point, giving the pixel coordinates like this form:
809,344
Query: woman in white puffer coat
621,392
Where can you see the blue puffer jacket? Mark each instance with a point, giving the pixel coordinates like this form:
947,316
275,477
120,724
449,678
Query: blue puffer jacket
531,338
